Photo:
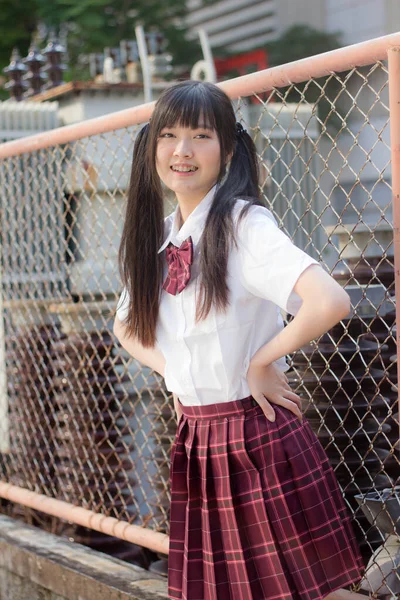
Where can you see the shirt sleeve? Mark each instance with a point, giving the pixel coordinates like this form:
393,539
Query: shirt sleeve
122,306
270,264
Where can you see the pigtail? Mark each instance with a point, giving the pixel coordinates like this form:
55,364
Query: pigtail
241,181
138,260
243,177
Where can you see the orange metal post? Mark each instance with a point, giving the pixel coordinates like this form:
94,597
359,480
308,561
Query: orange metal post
394,106
147,538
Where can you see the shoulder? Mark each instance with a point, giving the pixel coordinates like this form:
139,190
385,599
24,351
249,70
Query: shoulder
254,213
258,234
256,219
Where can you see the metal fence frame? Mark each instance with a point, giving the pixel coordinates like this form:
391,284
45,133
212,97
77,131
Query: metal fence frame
337,61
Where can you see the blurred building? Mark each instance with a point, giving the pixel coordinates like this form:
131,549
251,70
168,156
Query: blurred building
242,25
242,28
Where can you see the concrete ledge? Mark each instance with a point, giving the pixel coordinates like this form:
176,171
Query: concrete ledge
67,571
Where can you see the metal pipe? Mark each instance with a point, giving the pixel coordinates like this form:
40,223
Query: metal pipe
295,72
77,131
158,542
144,62
394,108
335,61
207,53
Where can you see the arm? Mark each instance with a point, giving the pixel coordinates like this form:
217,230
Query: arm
150,357
325,303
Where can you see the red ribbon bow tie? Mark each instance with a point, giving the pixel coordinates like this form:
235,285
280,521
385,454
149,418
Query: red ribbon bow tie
179,261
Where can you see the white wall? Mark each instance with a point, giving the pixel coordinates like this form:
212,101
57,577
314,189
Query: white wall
299,12
238,25
392,16
358,20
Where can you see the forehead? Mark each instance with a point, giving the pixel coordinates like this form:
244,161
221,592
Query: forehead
200,125
191,113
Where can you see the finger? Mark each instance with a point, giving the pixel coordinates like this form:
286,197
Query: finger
289,390
294,398
292,406
288,386
265,407
289,404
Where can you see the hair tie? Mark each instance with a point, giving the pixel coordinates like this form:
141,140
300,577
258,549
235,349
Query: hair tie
239,129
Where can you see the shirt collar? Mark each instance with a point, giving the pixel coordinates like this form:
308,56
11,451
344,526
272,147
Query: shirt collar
194,224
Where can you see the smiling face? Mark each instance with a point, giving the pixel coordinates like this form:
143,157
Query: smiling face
188,161
192,126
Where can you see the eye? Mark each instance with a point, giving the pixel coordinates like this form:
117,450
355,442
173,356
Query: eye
203,135
165,135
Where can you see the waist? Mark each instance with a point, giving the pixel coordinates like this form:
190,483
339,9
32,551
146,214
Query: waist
219,409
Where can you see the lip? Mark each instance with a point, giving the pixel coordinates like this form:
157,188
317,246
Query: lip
183,173
183,165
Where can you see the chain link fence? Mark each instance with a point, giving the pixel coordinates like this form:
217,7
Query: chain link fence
85,423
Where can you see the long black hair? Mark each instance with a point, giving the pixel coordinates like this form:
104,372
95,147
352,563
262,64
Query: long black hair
185,104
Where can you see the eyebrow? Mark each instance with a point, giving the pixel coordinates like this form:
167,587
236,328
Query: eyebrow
199,126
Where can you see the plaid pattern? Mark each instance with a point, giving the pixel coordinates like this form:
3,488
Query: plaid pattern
179,261
256,510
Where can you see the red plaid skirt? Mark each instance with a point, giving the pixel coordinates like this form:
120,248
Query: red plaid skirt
256,510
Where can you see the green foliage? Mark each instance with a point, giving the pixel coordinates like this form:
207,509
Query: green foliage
17,24
93,25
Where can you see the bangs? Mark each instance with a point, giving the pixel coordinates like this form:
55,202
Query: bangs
188,107
194,105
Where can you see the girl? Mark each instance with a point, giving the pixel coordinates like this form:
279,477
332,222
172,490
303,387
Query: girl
256,512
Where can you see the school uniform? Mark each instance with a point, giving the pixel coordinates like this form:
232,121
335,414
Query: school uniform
256,511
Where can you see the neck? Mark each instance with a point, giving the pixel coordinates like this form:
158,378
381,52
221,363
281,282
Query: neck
187,206
185,210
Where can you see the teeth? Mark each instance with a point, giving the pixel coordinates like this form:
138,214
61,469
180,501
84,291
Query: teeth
184,169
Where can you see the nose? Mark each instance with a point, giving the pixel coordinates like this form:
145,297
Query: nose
183,147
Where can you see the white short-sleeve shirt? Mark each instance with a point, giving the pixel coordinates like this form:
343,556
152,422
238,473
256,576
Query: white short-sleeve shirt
207,362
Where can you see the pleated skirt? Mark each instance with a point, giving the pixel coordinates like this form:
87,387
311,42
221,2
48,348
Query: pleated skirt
256,510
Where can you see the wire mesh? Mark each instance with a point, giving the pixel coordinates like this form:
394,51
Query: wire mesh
90,425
